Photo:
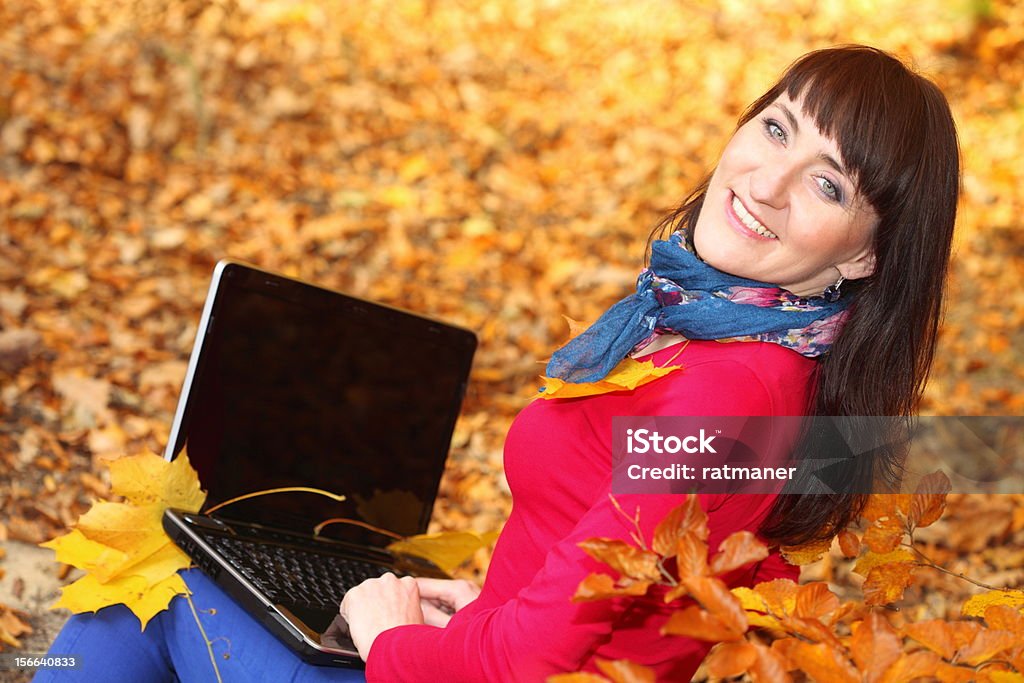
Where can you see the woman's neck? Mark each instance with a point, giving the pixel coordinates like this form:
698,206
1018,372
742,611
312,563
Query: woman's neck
663,341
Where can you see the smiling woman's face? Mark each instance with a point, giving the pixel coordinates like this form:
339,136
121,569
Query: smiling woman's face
781,209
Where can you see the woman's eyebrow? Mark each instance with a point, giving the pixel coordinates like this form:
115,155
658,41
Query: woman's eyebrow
827,158
789,116
831,161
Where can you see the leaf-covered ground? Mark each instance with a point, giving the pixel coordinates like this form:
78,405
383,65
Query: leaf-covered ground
495,163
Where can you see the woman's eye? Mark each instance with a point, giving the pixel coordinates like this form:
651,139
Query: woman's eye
830,189
774,130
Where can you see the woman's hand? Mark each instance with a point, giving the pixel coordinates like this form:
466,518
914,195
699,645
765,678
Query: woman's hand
440,598
376,605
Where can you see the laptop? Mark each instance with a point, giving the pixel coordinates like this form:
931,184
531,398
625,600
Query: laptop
294,385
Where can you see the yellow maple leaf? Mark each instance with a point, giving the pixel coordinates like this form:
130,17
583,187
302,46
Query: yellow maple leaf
576,327
447,549
124,527
976,606
127,556
626,376
149,479
88,594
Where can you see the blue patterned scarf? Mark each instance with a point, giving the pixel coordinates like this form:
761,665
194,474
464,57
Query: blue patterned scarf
681,294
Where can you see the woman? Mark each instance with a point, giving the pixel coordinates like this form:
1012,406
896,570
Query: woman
839,188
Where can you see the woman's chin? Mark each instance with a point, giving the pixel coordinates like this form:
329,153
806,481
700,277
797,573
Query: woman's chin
718,256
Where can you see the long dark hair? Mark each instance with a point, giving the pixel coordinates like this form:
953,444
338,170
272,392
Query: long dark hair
895,131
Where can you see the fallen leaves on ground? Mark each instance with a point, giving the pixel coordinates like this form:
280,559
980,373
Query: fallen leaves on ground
13,623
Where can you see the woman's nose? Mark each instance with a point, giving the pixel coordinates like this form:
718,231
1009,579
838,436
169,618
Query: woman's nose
770,185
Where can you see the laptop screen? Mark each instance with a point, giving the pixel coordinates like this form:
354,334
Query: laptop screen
299,386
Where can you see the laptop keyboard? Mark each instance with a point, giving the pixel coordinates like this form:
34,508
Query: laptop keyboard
292,575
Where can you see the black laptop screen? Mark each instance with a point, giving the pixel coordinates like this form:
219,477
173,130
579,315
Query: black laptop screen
298,386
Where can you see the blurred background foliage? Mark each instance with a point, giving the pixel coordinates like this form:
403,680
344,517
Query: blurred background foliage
496,163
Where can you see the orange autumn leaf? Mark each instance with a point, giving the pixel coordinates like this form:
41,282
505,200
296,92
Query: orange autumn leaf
876,507
949,673
886,583
848,612
13,623
624,671
849,544
814,600
881,505
929,500
884,535
601,586
871,560
943,638
1005,618
913,666
774,604
715,597
987,645
692,557
693,622
811,630
771,666
779,595
628,560
730,659
822,662
688,518
737,550
781,647
807,553
875,646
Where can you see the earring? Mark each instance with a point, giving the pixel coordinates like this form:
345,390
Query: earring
832,292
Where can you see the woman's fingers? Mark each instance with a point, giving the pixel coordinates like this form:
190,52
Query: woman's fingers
454,594
434,589
434,615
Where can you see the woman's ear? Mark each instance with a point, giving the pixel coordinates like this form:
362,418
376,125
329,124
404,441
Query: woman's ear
860,266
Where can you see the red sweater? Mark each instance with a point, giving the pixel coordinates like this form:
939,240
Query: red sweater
524,627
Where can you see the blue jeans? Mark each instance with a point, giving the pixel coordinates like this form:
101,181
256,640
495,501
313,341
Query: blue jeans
110,646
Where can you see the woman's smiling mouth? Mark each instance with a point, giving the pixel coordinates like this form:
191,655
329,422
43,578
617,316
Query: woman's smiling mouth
747,220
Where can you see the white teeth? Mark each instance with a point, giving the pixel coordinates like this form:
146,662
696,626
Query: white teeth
749,220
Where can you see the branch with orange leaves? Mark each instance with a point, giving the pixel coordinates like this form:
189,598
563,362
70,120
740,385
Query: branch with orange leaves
815,633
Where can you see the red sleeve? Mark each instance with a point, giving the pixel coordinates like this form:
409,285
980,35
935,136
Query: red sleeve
541,631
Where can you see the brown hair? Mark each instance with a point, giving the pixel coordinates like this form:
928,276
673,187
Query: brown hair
895,131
